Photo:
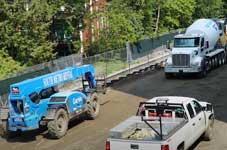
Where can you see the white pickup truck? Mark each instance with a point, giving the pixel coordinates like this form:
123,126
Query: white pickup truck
164,123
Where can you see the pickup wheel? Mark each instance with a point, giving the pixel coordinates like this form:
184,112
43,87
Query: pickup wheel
180,148
58,127
93,106
208,135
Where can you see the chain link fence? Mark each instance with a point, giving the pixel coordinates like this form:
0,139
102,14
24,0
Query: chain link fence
112,62
106,64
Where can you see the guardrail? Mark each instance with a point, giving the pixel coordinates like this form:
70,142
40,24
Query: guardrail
157,61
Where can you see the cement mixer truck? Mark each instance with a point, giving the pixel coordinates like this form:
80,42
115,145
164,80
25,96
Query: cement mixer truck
201,48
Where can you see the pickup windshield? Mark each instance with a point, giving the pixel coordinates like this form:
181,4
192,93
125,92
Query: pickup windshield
186,42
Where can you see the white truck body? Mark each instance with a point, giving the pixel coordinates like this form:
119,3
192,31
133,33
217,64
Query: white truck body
178,130
193,52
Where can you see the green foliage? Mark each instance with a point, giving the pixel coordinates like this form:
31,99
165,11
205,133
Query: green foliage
26,29
8,65
177,13
210,8
124,23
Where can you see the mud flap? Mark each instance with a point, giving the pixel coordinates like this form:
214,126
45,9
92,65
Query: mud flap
50,114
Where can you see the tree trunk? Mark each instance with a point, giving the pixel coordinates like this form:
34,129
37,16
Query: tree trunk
158,17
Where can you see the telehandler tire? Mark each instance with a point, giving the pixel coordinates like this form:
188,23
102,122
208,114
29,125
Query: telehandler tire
58,127
93,107
5,133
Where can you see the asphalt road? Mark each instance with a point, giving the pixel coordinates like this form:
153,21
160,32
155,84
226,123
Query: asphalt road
121,102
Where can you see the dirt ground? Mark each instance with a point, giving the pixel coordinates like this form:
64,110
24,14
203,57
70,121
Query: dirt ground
121,102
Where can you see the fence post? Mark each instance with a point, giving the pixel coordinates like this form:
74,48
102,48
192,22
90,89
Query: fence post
148,59
106,61
129,54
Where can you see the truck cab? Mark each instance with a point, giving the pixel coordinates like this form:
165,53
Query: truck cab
199,49
187,54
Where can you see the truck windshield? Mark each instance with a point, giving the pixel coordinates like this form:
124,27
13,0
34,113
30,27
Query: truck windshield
186,42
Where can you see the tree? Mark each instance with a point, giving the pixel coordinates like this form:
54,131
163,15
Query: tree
123,24
209,9
177,13
25,31
8,65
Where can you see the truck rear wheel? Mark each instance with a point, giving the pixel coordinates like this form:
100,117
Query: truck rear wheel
222,58
219,59
215,61
212,63
93,106
58,127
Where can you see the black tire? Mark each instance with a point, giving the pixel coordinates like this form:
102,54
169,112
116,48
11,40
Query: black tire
6,133
215,61
93,106
181,147
212,63
222,58
58,127
168,75
208,64
208,135
4,129
203,72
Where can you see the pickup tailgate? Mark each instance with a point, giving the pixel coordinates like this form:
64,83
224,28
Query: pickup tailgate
118,144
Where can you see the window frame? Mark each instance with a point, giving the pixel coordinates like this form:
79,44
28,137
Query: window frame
195,109
191,110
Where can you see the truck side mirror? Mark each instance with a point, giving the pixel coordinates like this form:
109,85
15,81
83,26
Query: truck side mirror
209,107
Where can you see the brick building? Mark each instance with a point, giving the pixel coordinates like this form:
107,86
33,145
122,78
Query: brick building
89,34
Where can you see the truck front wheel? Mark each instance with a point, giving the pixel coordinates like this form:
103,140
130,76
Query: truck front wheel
181,147
58,127
168,75
208,135
93,106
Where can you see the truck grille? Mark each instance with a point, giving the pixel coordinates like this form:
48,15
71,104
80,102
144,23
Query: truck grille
182,60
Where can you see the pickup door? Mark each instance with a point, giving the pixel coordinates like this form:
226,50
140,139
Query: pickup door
200,118
118,144
196,122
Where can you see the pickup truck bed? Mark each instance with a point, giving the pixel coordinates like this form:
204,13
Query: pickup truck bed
163,123
135,129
